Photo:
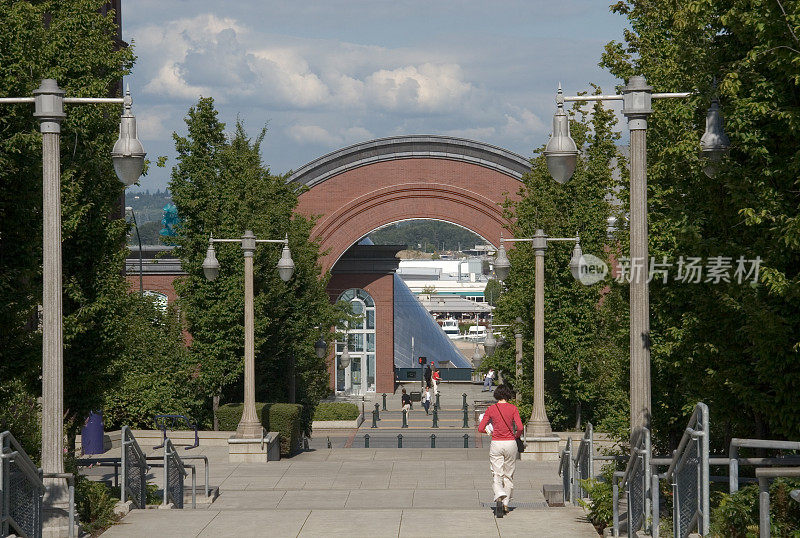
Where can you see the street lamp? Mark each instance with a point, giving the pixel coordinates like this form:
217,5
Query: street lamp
128,156
139,237
490,342
249,426
540,425
321,348
636,97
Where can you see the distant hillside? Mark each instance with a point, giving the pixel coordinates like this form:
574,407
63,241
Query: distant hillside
426,235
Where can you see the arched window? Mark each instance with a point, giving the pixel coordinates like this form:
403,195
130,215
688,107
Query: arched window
359,376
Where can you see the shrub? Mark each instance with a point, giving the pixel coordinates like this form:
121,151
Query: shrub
95,505
336,411
20,414
737,513
283,418
600,503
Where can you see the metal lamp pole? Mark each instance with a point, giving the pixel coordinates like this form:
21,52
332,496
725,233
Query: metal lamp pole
540,425
249,426
128,157
139,237
561,154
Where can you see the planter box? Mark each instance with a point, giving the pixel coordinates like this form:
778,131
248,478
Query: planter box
337,424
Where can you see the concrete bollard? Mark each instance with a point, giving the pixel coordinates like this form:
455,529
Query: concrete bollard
435,419
437,406
466,440
464,400
466,419
433,440
374,419
405,419
399,440
366,440
384,401
377,412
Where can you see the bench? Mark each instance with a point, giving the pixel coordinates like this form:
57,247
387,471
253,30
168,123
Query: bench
174,422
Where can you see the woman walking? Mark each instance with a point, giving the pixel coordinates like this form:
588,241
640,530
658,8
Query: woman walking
506,429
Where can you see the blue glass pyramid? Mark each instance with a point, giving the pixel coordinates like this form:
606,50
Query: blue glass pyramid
412,320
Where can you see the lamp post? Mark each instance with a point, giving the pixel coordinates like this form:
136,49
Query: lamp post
562,153
540,425
128,157
249,426
139,237
518,349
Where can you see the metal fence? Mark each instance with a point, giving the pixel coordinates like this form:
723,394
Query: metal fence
174,473
21,491
636,482
410,440
688,473
134,471
584,463
565,470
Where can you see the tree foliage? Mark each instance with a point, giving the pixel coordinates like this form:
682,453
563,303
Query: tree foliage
220,186
733,346
72,42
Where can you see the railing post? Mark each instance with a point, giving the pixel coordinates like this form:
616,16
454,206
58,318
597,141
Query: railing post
435,418
377,412
466,419
384,401
464,398
366,440
166,474
374,420
656,492
763,507
466,440
437,406
399,440
405,419
615,505
433,440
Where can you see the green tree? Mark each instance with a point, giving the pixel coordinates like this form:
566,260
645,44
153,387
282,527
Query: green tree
582,323
731,345
72,42
492,291
220,186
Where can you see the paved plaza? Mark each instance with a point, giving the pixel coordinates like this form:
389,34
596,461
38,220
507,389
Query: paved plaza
341,491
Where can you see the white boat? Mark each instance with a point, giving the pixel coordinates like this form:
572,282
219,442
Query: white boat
450,328
477,333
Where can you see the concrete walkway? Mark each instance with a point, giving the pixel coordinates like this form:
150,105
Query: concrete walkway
363,492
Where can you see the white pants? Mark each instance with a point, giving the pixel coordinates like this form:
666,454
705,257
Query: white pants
435,387
502,459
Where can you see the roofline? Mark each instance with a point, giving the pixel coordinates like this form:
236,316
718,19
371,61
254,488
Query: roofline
409,147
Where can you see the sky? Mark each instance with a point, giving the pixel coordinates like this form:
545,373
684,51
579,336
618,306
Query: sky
326,74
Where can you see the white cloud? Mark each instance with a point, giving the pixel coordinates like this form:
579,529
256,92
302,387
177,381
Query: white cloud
317,135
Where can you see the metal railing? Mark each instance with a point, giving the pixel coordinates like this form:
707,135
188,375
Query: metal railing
21,491
636,482
689,476
565,470
134,471
174,473
764,476
584,463
735,460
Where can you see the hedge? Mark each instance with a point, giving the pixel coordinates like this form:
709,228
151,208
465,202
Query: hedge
336,411
283,418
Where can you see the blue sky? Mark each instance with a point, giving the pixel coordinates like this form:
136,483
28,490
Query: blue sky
327,74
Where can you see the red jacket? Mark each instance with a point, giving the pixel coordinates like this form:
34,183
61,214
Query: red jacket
502,416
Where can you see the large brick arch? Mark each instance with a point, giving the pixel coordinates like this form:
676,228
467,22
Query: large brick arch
363,187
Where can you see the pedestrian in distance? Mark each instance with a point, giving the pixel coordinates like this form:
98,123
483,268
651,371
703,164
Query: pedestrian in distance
487,380
426,400
436,379
405,400
503,451
428,375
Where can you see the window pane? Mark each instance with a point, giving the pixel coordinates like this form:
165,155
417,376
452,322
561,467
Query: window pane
368,300
370,372
370,319
371,342
357,342
357,307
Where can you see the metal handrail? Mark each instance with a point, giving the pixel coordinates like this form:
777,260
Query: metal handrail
733,454
565,471
129,443
636,474
690,463
584,461
764,475
12,452
173,464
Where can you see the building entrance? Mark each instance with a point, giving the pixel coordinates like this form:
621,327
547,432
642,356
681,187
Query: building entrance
357,377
